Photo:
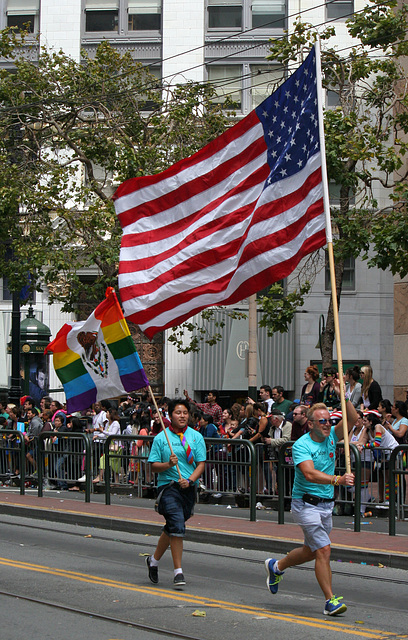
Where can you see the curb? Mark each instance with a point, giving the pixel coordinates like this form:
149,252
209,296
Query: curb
233,540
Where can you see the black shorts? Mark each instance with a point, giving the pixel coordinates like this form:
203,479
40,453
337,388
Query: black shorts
176,505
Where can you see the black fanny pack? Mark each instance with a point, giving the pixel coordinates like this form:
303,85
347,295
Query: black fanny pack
311,499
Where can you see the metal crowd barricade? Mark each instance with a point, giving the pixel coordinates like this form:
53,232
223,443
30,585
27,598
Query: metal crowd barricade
131,462
10,454
221,471
398,474
54,460
381,483
231,464
343,495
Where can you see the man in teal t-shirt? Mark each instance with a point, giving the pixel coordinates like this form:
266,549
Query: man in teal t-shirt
312,501
322,455
177,495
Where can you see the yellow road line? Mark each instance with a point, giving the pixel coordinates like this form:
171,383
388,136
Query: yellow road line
187,598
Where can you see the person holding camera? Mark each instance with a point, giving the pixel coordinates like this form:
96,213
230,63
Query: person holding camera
314,456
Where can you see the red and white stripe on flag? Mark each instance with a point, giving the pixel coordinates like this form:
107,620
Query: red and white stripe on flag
230,220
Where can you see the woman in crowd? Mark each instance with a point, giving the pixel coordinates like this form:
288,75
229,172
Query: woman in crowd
143,446
132,429
353,386
112,428
155,424
16,423
399,425
64,468
328,388
371,391
248,424
236,411
310,390
226,422
247,427
384,409
358,435
260,410
399,429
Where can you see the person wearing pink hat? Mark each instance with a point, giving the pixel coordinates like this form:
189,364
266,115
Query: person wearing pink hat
335,416
378,436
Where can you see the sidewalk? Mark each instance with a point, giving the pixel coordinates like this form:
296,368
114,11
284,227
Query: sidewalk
215,524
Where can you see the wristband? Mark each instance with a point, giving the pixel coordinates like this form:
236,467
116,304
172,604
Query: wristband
191,482
336,481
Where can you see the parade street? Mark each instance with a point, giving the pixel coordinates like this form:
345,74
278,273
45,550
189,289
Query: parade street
63,581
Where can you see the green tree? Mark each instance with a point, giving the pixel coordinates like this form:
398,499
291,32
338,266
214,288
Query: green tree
366,145
69,134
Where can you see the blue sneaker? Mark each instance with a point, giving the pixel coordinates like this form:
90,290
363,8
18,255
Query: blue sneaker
273,579
333,606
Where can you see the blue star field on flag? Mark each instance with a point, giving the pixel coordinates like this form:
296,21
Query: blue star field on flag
290,121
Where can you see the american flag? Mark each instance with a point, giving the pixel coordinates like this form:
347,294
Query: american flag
230,220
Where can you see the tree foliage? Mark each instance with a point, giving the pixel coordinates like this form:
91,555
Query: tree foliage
69,134
366,139
190,336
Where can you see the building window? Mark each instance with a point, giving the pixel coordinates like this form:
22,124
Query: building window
339,9
225,14
349,274
23,15
268,14
227,81
102,15
265,292
264,81
26,293
149,104
333,99
5,291
334,194
144,15
239,15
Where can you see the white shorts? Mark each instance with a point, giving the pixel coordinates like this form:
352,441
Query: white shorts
316,522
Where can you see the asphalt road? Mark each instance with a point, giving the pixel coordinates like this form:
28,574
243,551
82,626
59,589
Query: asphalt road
65,582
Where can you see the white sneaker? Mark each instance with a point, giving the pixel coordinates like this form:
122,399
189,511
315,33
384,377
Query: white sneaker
82,479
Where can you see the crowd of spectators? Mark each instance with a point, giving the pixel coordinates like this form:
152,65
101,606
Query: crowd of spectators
268,423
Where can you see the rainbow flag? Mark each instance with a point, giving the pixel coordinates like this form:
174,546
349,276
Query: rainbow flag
96,359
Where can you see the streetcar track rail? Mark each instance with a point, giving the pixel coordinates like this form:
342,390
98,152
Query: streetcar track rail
99,616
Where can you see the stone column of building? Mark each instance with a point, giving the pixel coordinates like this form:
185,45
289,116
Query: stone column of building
60,26
183,40
401,318
400,338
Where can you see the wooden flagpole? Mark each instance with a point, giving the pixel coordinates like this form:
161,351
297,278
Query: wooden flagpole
329,238
253,348
163,427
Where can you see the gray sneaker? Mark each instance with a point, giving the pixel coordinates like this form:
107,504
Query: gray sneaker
179,581
153,572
